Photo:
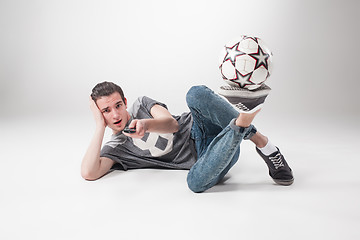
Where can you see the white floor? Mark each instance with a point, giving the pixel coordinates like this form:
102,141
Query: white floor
44,197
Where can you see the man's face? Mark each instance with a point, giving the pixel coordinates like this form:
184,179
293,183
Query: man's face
114,111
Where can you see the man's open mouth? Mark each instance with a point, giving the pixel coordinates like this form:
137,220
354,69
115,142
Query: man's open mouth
117,122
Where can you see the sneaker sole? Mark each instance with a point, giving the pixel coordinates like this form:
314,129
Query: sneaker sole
284,182
245,105
245,93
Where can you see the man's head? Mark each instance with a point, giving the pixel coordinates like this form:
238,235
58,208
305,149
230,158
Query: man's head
110,100
106,89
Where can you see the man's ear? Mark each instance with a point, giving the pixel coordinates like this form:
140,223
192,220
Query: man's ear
125,101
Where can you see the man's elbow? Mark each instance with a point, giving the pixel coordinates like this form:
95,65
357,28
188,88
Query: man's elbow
88,175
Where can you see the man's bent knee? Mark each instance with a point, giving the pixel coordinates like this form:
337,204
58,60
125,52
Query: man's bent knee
196,188
194,184
195,93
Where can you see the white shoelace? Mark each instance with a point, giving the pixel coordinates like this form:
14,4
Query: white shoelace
277,161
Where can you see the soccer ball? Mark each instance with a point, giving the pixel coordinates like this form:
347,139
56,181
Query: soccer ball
245,62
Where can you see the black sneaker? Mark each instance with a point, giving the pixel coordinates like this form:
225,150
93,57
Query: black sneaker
245,100
279,170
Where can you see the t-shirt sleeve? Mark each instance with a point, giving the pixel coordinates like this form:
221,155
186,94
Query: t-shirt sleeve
111,153
148,103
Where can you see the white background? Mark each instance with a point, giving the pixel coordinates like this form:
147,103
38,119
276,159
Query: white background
53,52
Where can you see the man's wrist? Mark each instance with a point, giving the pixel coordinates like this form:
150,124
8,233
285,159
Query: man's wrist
100,127
144,123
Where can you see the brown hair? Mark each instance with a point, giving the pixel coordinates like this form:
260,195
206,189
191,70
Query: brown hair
106,89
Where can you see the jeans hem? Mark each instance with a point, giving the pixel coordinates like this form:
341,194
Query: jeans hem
248,131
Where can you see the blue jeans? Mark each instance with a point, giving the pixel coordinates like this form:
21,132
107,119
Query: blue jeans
217,138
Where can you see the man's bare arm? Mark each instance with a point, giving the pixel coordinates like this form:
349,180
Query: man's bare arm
162,122
93,166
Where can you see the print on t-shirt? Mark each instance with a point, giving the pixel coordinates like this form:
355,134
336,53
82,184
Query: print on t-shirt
157,144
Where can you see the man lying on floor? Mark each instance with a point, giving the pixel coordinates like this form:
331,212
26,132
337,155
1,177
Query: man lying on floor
206,141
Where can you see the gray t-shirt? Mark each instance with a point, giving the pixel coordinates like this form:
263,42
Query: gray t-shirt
171,150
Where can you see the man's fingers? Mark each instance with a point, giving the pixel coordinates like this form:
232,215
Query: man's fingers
133,123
